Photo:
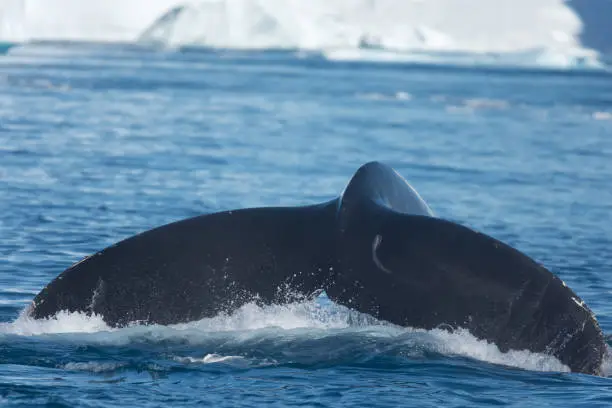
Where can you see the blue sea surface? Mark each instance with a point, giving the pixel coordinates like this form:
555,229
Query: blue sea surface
100,142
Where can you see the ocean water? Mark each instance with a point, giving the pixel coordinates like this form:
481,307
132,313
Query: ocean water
102,141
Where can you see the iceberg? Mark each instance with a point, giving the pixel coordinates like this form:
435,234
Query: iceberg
547,32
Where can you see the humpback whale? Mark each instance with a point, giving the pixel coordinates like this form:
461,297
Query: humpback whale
377,248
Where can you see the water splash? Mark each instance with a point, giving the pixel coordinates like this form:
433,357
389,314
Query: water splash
321,327
62,322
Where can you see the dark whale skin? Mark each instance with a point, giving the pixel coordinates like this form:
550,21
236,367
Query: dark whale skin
377,248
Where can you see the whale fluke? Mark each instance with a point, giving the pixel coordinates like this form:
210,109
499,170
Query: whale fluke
377,248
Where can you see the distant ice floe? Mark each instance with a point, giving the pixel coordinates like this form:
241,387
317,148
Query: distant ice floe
469,32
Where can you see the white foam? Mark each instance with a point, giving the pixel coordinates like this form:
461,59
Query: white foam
375,96
506,32
606,366
287,323
211,359
602,115
462,343
63,322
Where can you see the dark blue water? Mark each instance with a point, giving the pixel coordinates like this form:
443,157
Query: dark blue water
101,142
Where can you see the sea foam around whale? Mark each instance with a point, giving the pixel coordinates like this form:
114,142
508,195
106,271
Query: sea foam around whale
308,332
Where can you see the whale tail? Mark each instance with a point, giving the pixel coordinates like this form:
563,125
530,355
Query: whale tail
377,248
